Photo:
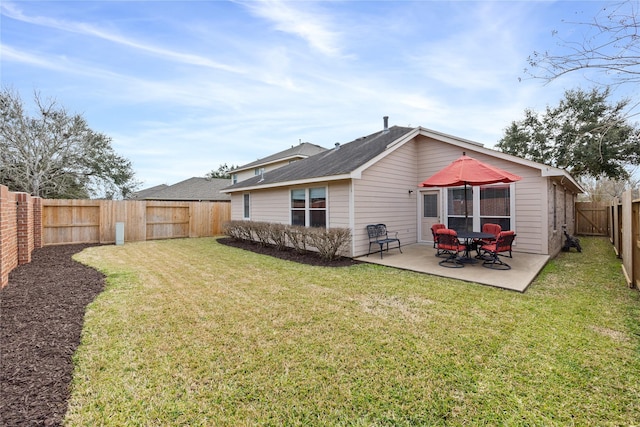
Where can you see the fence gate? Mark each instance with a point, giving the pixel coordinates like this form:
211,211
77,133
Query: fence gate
592,219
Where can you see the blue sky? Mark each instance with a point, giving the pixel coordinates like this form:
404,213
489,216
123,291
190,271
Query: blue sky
184,86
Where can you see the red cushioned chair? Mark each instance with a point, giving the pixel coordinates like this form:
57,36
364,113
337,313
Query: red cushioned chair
449,244
434,229
493,251
494,229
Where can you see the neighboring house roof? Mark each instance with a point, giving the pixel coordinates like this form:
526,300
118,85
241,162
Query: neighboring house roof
349,160
147,191
192,189
300,151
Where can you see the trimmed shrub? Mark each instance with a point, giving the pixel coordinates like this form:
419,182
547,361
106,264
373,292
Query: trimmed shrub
239,230
278,235
329,242
262,231
297,237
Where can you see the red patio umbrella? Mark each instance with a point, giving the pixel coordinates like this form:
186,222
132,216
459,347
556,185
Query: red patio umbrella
468,171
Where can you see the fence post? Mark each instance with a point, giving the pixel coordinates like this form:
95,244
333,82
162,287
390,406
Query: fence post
25,228
4,246
37,222
8,234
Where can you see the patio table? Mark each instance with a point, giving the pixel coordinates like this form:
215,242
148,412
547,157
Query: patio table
469,237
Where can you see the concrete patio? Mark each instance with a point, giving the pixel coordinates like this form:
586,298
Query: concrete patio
422,258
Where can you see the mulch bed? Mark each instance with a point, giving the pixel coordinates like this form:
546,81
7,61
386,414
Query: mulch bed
41,315
309,258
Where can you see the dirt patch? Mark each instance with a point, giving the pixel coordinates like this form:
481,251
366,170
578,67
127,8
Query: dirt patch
309,258
41,315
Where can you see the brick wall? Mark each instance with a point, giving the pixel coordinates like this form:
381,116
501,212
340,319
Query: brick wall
20,230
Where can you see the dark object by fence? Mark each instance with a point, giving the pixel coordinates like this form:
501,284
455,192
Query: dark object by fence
570,241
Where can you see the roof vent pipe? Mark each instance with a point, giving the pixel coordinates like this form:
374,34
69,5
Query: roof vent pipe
337,146
386,124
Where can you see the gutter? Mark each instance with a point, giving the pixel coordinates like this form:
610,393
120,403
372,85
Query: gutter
289,183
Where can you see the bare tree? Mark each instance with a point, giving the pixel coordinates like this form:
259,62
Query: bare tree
608,54
611,46
56,155
605,190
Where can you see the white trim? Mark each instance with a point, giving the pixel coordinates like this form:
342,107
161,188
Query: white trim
307,181
307,205
419,203
512,208
420,209
352,215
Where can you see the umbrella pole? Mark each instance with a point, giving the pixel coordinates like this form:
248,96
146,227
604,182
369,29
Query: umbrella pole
466,211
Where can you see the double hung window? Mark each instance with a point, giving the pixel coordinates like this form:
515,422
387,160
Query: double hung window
309,207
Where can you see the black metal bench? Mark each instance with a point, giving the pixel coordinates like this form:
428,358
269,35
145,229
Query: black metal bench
378,235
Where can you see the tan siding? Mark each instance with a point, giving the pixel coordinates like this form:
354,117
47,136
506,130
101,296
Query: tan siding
244,175
264,205
270,205
338,204
237,206
382,196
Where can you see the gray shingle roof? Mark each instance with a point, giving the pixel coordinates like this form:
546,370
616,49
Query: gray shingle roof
193,189
340,161
302,150
140,195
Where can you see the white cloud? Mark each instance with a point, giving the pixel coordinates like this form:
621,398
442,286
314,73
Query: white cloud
311,24
11,11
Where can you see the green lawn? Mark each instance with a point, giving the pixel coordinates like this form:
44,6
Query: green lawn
190,332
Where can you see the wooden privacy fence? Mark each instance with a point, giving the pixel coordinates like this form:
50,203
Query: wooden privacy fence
94,221
592,218
625,235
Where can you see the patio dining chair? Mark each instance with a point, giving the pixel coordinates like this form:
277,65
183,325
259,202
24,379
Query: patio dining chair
492,252
434,229
494,229
449,244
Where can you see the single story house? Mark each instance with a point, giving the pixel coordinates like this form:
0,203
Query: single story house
375,179
194,189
